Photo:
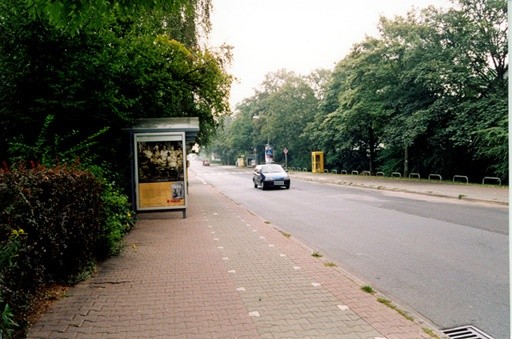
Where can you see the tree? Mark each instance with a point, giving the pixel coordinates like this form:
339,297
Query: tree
429,93
477,36
412,57
354,115
131,67
222,145
277,114
451,87
182,17
286,104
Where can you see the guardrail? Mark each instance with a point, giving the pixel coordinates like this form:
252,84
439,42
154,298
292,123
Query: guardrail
491,178
438,176
415,175
460,177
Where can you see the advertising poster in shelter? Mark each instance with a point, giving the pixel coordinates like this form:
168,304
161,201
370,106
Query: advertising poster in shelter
160,162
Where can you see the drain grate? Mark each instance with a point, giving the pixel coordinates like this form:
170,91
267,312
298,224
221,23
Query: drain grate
466,332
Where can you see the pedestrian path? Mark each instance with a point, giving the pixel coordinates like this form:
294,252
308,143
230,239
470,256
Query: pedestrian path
222,272
498,195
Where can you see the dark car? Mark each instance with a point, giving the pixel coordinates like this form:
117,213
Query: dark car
270,176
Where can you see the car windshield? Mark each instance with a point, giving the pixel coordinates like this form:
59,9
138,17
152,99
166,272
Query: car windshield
272,169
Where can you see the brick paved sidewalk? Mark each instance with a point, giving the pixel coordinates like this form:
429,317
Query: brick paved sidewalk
220,273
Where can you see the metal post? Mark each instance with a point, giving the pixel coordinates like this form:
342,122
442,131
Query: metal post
285,151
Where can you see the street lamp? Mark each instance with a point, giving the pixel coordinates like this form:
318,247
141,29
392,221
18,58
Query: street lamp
255,117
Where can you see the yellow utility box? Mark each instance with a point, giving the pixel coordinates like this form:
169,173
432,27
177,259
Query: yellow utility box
317,162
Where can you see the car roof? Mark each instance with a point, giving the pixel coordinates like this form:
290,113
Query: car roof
272,166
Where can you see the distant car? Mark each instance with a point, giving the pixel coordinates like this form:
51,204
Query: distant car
270,176
206,163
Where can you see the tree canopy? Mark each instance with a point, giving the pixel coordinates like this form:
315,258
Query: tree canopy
183,17
99,65
276,115
427,95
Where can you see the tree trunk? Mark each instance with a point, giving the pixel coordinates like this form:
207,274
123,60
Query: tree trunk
372,159
406,161
371,151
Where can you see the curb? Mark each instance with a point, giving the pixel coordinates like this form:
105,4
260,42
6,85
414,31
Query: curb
460,197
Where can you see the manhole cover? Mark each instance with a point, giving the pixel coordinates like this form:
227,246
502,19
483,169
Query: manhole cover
466,332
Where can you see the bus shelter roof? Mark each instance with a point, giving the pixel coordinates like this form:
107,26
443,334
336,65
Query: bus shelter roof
158,125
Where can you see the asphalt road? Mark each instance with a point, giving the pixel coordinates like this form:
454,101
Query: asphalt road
447,260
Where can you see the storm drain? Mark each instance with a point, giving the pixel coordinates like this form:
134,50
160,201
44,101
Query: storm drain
466,332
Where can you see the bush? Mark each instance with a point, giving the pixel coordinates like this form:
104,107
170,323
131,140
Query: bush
117,215
60,211
55,224
117,221
8,252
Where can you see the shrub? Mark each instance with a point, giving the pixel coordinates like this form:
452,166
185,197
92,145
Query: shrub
60,211
73,215
8,252
117,214
117,221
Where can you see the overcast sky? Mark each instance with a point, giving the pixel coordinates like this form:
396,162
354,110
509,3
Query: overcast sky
297,35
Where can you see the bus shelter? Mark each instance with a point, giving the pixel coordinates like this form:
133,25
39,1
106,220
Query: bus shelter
159,149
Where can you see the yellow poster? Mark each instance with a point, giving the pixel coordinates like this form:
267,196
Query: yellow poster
161,194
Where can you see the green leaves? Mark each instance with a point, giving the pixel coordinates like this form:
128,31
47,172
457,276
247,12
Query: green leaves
7,323
54,225
98,64
277,114
428,93
74,17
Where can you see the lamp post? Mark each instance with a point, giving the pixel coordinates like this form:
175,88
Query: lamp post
255,117
285,151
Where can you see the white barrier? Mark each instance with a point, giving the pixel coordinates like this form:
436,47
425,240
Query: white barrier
492,178
460,177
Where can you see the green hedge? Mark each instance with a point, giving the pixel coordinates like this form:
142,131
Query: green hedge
59,221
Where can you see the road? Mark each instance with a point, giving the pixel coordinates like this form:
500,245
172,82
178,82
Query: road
447,261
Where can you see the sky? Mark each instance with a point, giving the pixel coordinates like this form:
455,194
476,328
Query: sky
296,35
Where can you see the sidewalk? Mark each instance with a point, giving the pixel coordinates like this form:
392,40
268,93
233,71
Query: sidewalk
461,191
220,273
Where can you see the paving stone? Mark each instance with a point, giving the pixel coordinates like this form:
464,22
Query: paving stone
221,272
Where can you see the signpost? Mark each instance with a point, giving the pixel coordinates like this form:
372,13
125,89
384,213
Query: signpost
285,151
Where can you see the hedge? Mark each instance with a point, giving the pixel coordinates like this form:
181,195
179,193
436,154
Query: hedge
54,224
